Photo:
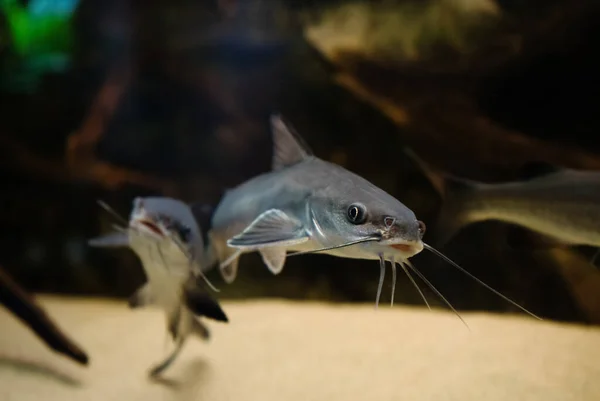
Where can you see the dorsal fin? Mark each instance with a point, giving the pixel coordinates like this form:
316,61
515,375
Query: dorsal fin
435,178
443,183
288,146
536,169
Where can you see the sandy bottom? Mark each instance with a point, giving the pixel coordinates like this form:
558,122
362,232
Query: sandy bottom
277,350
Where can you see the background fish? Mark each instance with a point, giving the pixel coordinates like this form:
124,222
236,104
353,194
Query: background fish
399,31
559,203
167,239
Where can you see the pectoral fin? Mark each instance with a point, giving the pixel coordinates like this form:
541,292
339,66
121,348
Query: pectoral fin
272,228
200,329
201,304
110,240
229,267
274,258
142,296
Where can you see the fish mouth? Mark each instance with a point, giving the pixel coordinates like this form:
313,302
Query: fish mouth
402,247
151,227
406,248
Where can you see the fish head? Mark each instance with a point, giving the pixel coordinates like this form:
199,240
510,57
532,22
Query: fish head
353,209
162,219
342,206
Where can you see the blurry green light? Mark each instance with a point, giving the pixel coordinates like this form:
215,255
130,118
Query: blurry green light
44,26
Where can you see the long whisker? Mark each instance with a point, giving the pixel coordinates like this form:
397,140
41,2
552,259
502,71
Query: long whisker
162,256
122,229
415,284
190,257
439,294
207,281
393,263
447,259
360,241
381,277
111,211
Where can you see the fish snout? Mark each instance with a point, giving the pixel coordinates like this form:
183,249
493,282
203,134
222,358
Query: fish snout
405,237
408,231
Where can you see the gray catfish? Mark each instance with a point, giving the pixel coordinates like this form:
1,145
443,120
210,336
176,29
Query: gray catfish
559,203
166,238
309,205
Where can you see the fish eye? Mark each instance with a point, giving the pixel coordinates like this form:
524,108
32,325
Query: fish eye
184,233
422,227
357,213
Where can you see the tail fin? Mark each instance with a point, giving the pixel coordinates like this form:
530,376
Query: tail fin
156,370
183,320
456,194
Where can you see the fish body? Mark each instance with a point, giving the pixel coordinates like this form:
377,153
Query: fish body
306,204
565,206
559,203
165,236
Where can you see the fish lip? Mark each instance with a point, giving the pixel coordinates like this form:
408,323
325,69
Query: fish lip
405,247
149,227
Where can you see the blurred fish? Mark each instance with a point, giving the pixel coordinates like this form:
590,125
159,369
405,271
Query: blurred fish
23,306
166,238
561,204
309,205
398,31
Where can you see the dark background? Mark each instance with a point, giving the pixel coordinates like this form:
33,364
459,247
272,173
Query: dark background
173,98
